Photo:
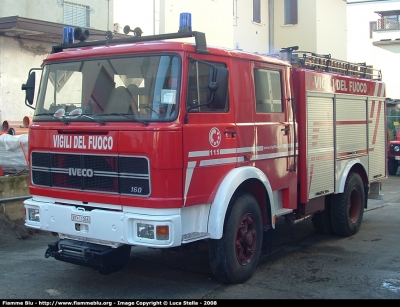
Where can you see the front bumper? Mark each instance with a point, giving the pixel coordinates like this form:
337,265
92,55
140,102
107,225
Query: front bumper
104,226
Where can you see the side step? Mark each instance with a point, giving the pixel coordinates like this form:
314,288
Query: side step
283,211
375,191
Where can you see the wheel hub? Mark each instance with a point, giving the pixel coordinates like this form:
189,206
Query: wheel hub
246,238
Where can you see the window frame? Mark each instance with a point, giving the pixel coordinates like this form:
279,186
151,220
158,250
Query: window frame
290,12
190,103
257,11
271,105
76,14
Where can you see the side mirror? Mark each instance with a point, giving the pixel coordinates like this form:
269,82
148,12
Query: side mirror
29,87
221,92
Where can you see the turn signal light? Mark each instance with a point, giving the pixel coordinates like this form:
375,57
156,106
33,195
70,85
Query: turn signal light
162,232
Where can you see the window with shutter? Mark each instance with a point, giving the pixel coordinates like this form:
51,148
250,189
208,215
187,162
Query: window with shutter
290,10
256,11
76,14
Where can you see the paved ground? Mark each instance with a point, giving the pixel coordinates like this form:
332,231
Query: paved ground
304,265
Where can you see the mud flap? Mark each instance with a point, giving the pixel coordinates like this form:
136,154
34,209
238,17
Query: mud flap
105,259
374,191
268,240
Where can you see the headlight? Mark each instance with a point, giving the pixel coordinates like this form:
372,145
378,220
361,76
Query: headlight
145,231
396,148
153,231
33,215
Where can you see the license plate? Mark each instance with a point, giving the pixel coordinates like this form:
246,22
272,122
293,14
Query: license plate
397,158
80,218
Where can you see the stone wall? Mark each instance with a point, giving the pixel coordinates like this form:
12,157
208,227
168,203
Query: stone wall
13,191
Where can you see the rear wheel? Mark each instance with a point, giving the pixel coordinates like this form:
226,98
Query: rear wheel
392,167
234,257
347,208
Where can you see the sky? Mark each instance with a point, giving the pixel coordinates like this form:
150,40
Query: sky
135,13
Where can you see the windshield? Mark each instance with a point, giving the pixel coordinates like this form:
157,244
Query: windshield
141,88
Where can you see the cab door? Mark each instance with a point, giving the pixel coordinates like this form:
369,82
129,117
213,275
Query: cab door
209,135
275,129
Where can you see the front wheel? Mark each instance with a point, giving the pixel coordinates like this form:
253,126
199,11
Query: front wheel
234,257
347,208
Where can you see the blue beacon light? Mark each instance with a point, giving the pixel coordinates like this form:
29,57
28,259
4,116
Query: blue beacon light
68,35
185,22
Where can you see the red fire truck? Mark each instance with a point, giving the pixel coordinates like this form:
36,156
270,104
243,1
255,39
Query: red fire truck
159,142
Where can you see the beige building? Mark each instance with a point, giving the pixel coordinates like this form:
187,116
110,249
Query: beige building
29,29
227,23
263,26
320,28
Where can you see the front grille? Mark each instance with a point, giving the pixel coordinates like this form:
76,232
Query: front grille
100,173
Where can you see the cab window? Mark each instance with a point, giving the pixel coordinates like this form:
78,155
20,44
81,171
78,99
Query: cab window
268,90
200,75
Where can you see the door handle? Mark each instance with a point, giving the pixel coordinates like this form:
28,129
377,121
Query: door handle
231,132
286,129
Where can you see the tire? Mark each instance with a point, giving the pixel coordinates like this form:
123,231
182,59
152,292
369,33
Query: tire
322,221
392,167
347,208
234,257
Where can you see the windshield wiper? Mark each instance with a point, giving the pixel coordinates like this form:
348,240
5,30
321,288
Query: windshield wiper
43,114
62,119
92,118
52,115
127,116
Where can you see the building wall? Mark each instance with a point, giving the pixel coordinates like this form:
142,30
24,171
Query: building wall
303,34
228,23
360,44
321,27
359,15
17,57
331,28
248,35
52,10
213,17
